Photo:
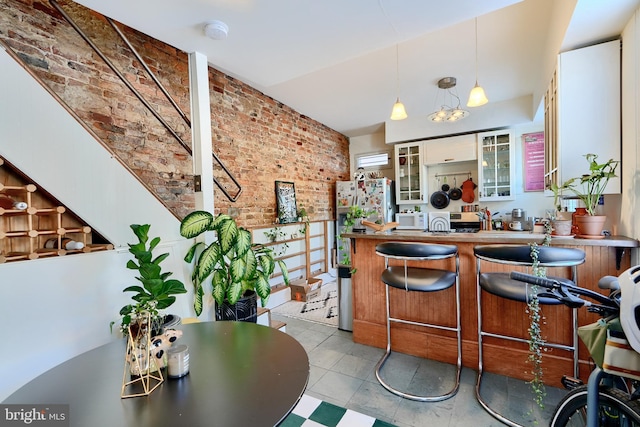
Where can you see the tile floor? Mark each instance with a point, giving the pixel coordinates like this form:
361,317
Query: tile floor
343,373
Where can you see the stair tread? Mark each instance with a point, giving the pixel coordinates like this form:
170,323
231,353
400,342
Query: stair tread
277,324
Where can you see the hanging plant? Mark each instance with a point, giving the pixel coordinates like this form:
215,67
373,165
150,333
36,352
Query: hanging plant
536,341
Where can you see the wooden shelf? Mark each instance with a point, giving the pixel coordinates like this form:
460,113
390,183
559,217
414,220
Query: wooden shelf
24,233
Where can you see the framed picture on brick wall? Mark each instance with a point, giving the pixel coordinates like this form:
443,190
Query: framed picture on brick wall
286,202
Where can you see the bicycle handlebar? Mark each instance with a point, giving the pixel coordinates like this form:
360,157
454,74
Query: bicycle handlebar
569,294
556,289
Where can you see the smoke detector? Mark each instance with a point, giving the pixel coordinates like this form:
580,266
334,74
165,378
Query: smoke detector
216,30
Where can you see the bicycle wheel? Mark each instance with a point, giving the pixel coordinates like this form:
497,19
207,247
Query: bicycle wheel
615,409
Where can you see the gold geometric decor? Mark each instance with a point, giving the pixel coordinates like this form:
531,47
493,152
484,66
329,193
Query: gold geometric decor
143,370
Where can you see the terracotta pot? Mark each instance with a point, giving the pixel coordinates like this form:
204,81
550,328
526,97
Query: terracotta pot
590,225
561,227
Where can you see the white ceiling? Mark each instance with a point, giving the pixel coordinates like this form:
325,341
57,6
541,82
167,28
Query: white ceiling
335,60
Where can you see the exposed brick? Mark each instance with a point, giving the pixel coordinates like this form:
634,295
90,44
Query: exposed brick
258,138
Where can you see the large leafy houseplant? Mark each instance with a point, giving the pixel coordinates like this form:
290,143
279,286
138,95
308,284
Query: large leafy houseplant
157,292
233,263
589,187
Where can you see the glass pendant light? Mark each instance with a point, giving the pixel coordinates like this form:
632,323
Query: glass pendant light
477,96
398,112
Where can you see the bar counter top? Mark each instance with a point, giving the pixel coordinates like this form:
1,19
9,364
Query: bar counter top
497,236
607,256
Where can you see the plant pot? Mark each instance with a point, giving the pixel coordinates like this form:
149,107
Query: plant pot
590,225
245,310
561,227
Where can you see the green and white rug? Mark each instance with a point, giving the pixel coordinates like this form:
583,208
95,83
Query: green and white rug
312,412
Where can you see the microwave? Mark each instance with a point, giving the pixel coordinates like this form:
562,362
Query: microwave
411,221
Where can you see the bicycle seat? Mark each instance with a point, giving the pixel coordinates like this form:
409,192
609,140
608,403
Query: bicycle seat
609,282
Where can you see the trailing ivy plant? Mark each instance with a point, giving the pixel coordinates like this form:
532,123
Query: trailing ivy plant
536,319
276,235
303,217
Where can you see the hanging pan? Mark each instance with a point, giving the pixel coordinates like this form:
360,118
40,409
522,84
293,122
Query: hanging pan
455,193
439,199
445,186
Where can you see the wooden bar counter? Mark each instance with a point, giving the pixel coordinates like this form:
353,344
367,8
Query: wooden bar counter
608,256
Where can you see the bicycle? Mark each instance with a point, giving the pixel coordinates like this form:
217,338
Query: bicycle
608,399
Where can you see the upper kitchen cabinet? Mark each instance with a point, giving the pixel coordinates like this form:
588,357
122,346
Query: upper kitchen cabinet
449,150
496,166
582,112
410,188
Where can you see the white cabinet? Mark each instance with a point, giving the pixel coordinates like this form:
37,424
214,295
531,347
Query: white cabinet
410,187
496,166
588,110
449,150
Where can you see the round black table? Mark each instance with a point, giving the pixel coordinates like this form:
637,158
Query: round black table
241,374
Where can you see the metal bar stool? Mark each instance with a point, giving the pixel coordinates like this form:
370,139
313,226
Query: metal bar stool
419,279
501,285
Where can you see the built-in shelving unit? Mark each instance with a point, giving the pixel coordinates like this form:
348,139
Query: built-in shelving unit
43,227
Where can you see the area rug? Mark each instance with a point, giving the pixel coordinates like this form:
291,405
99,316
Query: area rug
322,309
312,412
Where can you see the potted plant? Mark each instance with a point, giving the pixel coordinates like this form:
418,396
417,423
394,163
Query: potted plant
157,291
355,215
239,270
589,187
560,221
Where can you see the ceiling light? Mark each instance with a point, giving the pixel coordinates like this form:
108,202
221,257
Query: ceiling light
448,112
477,96
398,112
216,30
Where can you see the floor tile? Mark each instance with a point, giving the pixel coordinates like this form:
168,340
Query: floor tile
342,373
337,386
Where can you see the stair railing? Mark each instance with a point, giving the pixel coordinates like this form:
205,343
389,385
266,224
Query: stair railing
232,197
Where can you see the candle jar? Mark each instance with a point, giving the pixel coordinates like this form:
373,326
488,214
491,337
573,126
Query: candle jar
178,361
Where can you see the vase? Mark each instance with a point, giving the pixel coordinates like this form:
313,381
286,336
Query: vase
245,310
578,212
590,225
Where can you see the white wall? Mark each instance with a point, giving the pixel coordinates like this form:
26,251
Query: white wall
56,308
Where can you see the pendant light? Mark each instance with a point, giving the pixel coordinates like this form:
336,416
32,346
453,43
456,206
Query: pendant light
477,96
449,110
398,112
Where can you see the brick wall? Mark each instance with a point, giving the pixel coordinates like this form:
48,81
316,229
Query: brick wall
259,139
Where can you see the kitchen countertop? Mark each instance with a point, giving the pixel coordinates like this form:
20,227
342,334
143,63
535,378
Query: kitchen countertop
496,236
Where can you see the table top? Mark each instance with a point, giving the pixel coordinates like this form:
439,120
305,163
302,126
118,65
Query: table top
240,374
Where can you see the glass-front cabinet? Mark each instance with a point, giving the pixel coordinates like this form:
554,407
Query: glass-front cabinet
409,174
496,166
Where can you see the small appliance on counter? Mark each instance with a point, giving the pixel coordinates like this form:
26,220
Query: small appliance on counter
519,221
411,221
465,222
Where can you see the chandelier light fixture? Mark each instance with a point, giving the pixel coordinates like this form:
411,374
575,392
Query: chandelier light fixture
448,112
398,112
477,96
